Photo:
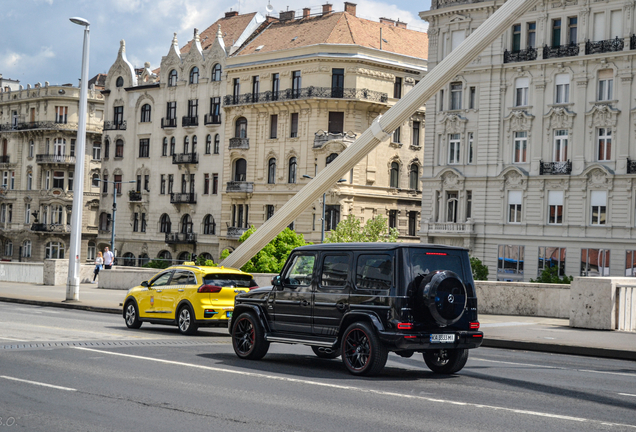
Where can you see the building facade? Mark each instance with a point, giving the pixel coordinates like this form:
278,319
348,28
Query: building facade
38,131
529,151
298,94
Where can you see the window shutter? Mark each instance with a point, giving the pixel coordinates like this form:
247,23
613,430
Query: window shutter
515,197
555,198
599,198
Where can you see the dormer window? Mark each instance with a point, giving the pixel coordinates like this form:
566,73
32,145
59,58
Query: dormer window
194,75
119,82
172,78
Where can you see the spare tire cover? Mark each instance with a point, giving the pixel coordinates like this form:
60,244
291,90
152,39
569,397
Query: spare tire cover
443,295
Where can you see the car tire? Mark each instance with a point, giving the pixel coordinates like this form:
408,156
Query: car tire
446,361
326,353
363,353
248,337
131,315
185,321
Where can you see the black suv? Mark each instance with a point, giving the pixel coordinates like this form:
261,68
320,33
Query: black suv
363,300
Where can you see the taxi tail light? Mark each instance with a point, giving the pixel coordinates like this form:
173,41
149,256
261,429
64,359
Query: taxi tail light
405,326
474,325
209,289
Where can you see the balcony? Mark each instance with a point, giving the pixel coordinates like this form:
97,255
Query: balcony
631,166
321,138
54,159
51,228
449,228
518,56
181,238
555,168
168,123
183,198
185,158
560,51
306,93
134,196
609,45
240,143
115,125
4,161
239,187
190,121
212,119
235,232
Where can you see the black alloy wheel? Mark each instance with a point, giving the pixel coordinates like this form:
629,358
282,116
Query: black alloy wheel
362,351
248,338
132,315
446,361
326,353
185,321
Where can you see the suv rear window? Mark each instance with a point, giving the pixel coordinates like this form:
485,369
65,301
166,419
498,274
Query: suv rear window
374,272
424,262
227,280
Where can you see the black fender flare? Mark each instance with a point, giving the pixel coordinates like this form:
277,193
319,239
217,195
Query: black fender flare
126,301
179,306
351,317
240,308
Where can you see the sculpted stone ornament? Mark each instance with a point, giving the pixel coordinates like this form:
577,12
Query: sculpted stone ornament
454,123
597,179
514,180
519,121
559,118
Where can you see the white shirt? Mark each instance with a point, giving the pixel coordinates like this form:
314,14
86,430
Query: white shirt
108,258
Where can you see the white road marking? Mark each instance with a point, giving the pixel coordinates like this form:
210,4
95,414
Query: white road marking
38,383
11,339
627,394
609,373
554,367
358,389
506,324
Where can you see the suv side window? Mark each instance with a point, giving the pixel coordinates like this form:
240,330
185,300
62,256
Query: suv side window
300,271
162,279
374,272
335,269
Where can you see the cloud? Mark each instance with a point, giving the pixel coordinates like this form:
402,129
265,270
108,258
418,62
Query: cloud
14,64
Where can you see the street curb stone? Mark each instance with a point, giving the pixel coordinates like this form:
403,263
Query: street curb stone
560,349
61,304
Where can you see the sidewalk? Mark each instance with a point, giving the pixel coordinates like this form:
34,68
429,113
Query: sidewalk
500,331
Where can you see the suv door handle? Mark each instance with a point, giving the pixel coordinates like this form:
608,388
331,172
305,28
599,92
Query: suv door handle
341,305
304,303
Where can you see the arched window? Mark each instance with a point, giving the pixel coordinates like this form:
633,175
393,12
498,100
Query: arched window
291,177
8,248
119,82
165,225
164,147
271,171
26,249
95,182
216,72
194,75
217,143
395,175
54,250
240,170
104,222
31,148
129,259
90,251
240,131
173,143
209,226
172,78
186,144
206,256
194,143
184,256
106,148
414,174
331,157
165,256
143,260
186,224
145,113
119,148
208,144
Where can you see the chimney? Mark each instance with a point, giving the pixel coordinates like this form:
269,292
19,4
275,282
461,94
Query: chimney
306,12
231,14
287,15
326,9
387,21
400,24
350,8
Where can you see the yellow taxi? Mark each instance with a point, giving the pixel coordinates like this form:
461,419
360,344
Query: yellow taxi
188,296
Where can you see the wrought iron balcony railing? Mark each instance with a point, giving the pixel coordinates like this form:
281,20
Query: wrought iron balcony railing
609,45
240,143
190,121
168,122
56,228
181,238
631,166
8,127
4,159
212,119
239,187
306,93
235,232
555,168
112,125
54,159
185,158
183,198
527,54
134,196
321,137
560,51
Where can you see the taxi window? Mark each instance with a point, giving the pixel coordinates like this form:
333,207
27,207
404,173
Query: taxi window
182,277
335,269
374,272
229,280
161,279
301,271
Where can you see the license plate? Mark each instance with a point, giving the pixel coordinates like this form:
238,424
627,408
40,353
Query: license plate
229,314
443,338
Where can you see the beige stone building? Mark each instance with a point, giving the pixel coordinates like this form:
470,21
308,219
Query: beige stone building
529,157
298,93
38,131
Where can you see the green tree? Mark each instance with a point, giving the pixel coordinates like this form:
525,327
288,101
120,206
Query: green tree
350,230
224,254
551,275
157,264
272,257
202,261
480,270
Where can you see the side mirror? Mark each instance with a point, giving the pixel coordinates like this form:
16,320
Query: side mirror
144,284
276,281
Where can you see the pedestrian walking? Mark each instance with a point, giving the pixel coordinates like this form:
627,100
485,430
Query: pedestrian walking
108,259
99,261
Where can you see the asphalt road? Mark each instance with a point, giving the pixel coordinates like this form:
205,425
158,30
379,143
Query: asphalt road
81,371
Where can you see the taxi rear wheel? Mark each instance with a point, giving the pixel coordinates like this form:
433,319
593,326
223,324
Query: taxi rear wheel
185,321
132,315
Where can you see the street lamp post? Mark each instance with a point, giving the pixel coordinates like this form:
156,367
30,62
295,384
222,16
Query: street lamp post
72,286
112,230
324,196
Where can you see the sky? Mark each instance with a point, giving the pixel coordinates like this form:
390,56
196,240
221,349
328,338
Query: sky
41,44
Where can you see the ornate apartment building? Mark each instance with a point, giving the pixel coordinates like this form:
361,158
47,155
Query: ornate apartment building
299,92
529,156
38,131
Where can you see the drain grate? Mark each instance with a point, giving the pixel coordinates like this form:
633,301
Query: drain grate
47,345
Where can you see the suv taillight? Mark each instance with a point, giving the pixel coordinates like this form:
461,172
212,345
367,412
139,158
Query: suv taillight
474,325
405,326
209,289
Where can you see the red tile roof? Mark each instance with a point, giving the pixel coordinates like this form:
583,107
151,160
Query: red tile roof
231,27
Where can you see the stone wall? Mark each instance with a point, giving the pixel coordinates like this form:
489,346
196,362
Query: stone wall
55,272
124,278
21,272
594,302
525,299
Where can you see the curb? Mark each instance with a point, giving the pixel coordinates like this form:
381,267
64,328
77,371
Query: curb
64,305
560,349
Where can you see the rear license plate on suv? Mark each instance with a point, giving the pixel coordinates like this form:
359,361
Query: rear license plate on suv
443,338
